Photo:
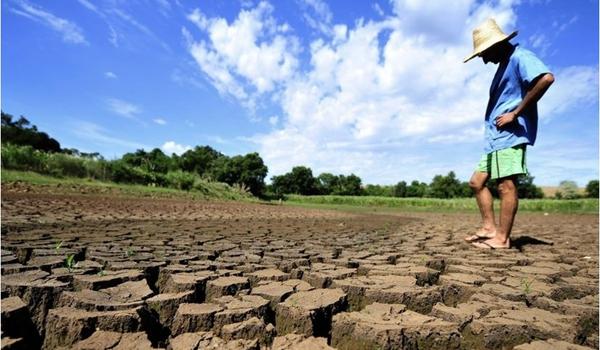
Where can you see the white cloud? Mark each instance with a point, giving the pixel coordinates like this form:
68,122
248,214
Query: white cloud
273,120
170,147
318,16
561,26
110,75
159,121
123,108
71,32
129,19
540,42
90,6
113,36
378,9
574,86
246,58
99,135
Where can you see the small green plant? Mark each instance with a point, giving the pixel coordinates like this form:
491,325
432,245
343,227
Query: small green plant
70,262
526,285
129,252
58,245
102,271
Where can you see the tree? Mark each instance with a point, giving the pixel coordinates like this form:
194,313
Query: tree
416,189
299,181
248,170
591,189
199,160
349,185
154,161
280,185
445,186
326,183
400,189
526,188
567,189
22,133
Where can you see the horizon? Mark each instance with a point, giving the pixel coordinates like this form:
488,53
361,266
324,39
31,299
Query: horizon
342,88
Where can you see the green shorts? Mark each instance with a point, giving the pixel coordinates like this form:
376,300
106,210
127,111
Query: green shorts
504,163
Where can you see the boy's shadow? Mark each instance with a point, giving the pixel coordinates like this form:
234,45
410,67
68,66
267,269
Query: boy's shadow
521,241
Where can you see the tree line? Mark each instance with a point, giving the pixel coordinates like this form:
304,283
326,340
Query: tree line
24,147
300,180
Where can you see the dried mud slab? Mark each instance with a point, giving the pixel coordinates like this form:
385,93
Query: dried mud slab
102,340
392,326
294,341
310,312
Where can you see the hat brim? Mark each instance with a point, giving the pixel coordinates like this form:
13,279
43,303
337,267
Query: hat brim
478,52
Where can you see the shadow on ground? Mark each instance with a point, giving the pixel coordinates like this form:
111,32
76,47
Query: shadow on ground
521,241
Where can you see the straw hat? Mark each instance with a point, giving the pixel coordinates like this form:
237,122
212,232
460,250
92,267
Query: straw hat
486,35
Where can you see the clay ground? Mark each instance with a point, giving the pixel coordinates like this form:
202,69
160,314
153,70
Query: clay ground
179,274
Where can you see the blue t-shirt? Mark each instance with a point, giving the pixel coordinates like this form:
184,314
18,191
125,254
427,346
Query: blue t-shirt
510,85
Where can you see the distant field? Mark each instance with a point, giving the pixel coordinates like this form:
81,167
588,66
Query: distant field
434,204
550,191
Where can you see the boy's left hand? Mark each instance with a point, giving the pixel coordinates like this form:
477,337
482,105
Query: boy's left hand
505,119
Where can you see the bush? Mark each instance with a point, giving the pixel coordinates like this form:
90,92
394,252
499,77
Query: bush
62,165
567,190
97,169
181,180
123,173
22,158
591,190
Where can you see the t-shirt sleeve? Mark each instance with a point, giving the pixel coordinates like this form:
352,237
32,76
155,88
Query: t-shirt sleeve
530,67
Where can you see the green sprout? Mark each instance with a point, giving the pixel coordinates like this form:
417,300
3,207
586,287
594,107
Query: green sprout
70,262
526,285
102,272
130,252
58,245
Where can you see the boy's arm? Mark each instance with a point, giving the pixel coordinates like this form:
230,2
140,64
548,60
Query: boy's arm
539,88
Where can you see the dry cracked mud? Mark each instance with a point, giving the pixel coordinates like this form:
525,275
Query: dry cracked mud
180,274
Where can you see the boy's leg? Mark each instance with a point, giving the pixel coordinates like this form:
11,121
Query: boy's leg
485,203
509,204
508,207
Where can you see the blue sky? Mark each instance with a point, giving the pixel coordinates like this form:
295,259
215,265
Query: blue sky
372,88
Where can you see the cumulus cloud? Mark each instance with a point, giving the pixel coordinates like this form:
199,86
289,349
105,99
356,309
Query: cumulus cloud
383,93
170,147
246,58
71,32
110,75
160,121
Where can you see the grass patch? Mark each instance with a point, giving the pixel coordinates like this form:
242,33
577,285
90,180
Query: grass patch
200,190
369,203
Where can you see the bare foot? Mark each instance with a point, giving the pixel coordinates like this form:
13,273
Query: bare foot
483,233
492,243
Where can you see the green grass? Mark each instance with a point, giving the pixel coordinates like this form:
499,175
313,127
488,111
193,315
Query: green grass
203,190
368,203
